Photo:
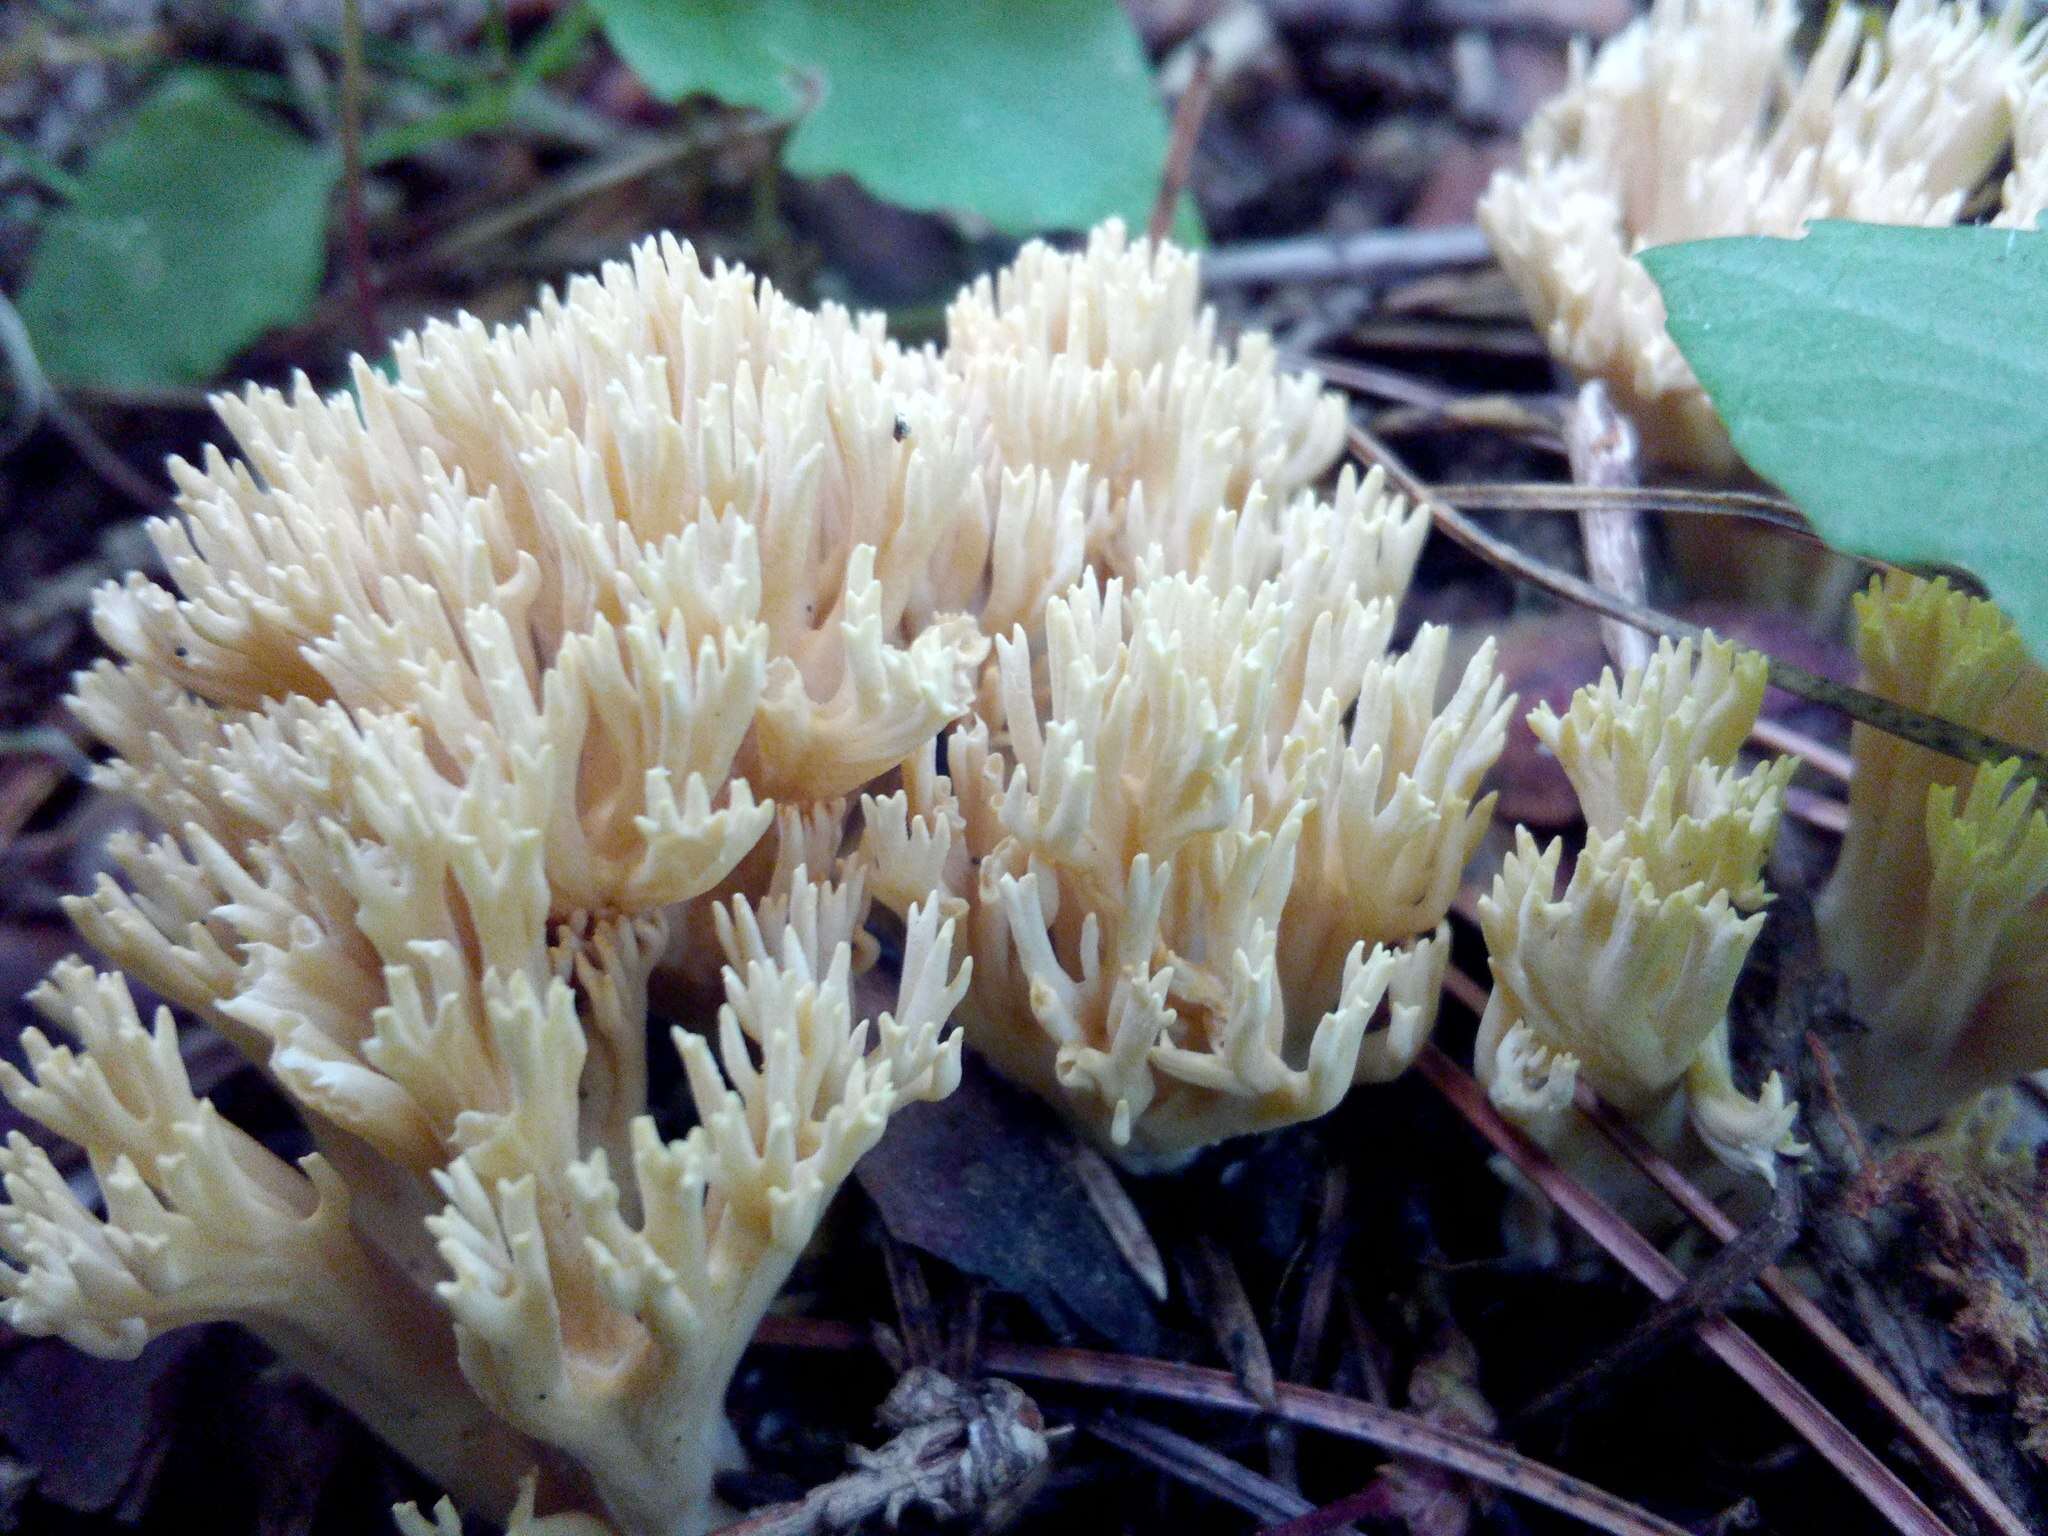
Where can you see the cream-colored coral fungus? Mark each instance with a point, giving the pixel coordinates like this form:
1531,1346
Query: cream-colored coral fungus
1105,359
522,695
1626,977
1696,121
1937,910
447,1520
470,690
1207,834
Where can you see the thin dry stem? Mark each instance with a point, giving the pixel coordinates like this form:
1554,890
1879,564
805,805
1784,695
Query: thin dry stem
1944,736
1188,114
1372,254
1684,501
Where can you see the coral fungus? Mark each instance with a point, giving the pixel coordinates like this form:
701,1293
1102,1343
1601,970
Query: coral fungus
535,681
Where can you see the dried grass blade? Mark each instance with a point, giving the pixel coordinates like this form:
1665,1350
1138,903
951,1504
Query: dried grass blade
1945,736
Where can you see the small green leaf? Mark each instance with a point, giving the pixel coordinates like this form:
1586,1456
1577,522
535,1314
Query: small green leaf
201,226
1036,114
1893,382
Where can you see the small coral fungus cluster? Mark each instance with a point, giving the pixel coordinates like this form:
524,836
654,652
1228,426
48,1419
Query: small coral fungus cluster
637,652
1626,977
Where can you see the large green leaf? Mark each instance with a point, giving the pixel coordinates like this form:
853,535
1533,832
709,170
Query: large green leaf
1894,382
1036,114
199,227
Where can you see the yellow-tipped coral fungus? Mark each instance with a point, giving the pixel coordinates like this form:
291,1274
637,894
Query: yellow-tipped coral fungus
1626,977
1937,910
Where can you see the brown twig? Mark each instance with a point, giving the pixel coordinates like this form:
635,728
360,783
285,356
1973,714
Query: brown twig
1425,402
1365,1352
1825,1071
1319,1288
355,217
1502,415
1478,338
1906,1510
37,402
1220,1299
103,461
193,399
1543,496
1944,736
1188,115
917,1317
1402,1434
1368,1502
1939,1452
636,160
29,777
1374,379
639,156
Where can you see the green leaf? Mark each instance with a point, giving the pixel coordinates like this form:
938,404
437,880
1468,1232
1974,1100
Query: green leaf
1893,382
201,226
1035,114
